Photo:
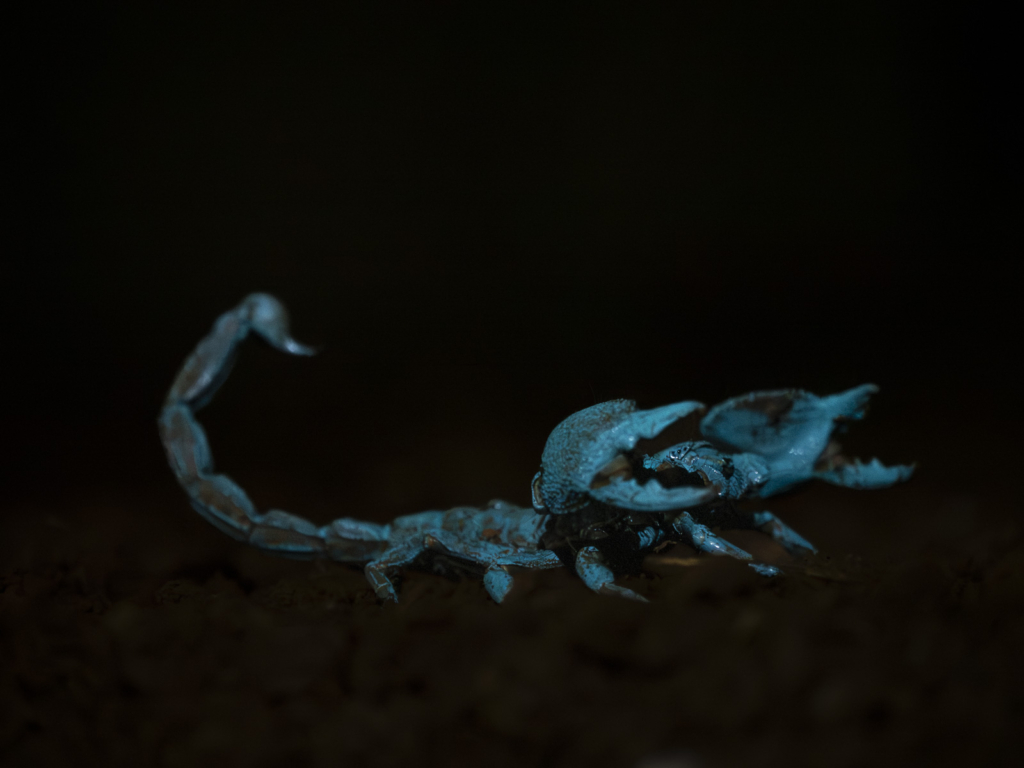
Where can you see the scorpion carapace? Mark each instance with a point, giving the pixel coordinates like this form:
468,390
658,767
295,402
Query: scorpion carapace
595,498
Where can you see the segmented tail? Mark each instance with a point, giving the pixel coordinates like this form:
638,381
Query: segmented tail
216,497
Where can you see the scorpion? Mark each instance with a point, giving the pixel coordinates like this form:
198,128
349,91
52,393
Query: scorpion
598,504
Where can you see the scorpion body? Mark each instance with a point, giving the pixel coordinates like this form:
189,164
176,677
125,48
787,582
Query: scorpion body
597,502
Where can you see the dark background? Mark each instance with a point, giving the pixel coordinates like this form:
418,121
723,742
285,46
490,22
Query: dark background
489,218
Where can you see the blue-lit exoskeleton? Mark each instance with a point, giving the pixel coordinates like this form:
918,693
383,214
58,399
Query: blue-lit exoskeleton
597,501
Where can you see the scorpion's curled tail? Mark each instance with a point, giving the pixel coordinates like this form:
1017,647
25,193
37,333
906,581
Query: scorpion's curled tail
216,497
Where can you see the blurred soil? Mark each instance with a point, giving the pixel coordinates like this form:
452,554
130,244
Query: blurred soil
134,634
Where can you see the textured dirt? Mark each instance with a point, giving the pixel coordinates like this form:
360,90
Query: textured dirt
490,218
134,634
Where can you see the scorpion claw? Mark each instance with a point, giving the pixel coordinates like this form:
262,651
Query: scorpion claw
586,458
792,431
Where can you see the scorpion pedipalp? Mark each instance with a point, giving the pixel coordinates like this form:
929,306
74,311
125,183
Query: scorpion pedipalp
792,431
580,449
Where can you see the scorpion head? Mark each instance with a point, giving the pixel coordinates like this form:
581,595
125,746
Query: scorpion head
587,458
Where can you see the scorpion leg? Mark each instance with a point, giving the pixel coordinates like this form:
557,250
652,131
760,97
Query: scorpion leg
410,537
791,541
497,579
427,535
702,539
218,498
498,582
496,556
394,557
592,568
860,475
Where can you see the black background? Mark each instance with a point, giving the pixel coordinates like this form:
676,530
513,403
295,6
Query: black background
490,217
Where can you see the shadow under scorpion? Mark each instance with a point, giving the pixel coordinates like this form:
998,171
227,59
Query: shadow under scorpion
597,501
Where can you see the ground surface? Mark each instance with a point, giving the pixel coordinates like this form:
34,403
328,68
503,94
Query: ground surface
133,633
